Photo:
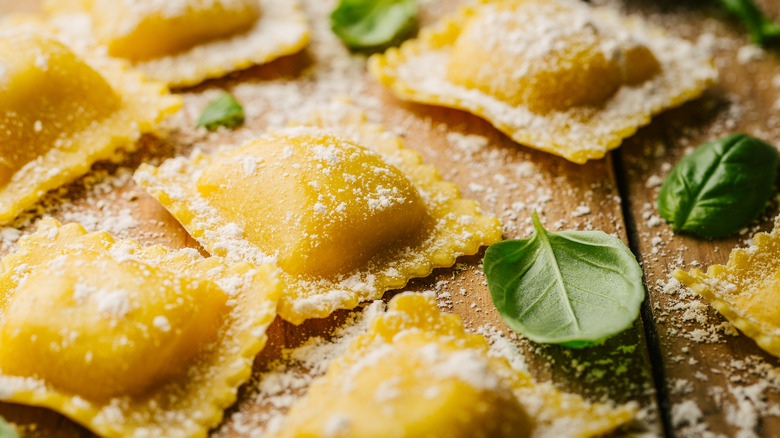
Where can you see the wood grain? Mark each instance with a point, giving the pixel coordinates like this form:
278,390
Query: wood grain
718,372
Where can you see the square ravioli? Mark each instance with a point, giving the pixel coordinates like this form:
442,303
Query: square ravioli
60,113
417,373
128,341
184,42
341,206
746,290
559,76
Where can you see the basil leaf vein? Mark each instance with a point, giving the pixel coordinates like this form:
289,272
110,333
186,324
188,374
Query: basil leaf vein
374,25
575,288
720,187
222,111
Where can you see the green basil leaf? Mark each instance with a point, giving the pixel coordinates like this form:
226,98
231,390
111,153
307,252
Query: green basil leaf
374,25
575,288
762,29
222,111
6,431
720,187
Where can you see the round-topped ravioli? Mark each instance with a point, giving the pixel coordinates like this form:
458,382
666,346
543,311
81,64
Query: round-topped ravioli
46,95
340,206
317,203
143,30
127,340
184,42
60,112
101,329
418,386
418,373
545,56
556,75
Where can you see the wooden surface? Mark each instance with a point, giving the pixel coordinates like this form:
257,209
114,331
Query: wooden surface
679,354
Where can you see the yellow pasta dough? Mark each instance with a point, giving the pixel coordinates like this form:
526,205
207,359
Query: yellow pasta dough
128,341
746,290
144,30
351,206
417,373
340,206
184,42
558,76
60,113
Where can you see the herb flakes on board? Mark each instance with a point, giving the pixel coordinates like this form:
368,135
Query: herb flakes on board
222,111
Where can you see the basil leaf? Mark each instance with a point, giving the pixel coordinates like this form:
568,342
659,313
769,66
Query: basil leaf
763,30
720,187
222,111
575,288
374,25
6,431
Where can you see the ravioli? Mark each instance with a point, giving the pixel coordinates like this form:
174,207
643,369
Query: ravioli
145,30
340,206
60,113
185,42
128,341
558,76
746,290
417,373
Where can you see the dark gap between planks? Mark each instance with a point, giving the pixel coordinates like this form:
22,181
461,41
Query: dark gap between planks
651,334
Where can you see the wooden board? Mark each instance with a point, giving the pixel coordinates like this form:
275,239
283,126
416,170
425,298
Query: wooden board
666,373
702,360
